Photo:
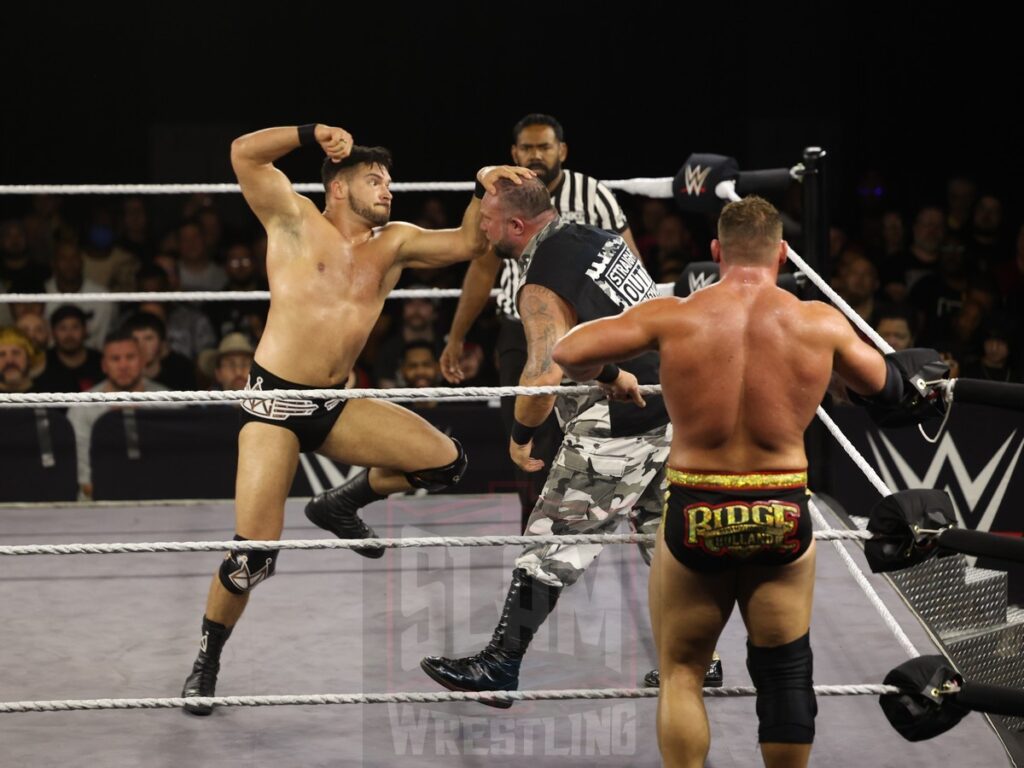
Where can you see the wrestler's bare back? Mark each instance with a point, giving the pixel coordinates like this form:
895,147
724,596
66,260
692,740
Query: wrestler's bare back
326,297
743,368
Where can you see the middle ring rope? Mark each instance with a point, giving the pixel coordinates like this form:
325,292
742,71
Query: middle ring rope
829,534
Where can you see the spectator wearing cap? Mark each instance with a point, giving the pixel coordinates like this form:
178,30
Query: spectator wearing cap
995,362
16,353
122,365
68,277
71,366
159,362
228,365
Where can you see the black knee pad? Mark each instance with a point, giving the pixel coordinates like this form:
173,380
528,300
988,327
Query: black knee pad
439,478
243,569
786,706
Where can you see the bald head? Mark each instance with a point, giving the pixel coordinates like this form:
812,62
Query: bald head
750,232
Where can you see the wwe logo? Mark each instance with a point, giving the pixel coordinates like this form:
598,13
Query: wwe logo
700,280
972,489
694,178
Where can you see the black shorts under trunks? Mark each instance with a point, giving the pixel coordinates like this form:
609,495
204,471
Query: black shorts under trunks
310,420
714,521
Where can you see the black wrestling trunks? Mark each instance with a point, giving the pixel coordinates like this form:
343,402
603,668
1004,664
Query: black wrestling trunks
310,420
714,521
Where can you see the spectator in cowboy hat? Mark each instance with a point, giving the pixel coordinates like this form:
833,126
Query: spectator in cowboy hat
228,365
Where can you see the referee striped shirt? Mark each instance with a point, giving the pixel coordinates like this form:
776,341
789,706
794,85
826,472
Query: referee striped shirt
580,199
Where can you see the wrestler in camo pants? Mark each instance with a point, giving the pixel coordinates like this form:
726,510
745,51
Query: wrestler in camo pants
593,483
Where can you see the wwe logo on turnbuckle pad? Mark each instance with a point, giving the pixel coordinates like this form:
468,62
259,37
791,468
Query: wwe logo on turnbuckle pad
278,410
694,177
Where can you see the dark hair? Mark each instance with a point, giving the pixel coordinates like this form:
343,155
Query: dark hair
146,321
64,311
153,272
529,199
538,118
368,155
120,334
419,344
897,312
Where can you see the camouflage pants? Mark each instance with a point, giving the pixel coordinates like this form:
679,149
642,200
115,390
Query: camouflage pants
593,483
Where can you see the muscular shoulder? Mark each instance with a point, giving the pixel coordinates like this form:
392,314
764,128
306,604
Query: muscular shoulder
823,320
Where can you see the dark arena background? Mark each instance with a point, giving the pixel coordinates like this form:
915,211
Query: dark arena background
917,109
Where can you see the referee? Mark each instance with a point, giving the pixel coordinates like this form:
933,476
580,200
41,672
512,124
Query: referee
538,143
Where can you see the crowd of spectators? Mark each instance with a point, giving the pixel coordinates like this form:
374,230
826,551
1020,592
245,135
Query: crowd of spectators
947,273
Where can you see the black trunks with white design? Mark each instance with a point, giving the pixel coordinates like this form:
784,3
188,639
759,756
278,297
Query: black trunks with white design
310,420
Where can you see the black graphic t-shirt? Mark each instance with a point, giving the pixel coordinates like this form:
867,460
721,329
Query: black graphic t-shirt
595,272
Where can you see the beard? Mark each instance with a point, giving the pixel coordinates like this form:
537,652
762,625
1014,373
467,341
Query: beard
504,250
377,216
16,373
545,173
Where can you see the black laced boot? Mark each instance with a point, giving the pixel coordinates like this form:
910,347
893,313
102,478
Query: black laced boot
203,680
496,667
713,677
335,510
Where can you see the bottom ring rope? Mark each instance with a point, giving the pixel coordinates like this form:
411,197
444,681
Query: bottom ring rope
68,705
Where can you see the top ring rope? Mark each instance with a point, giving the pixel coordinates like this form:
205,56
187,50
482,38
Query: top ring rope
646,186
664,289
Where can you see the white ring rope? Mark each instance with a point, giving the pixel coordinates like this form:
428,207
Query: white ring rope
730,192
829,534
862,325
67,705
233,395
869,472
664,289
645,186
53,298
858,576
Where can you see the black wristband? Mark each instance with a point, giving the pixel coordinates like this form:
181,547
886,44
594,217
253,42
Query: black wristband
307,135
522,434
479,190
608,374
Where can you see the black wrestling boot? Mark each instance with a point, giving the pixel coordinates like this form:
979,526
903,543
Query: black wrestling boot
713,678
203,680
496,667
335,511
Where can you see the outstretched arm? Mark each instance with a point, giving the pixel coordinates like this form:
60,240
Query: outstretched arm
589,346
546,317
440,247
266,189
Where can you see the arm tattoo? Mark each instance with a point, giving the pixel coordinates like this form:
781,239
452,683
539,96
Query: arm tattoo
541,335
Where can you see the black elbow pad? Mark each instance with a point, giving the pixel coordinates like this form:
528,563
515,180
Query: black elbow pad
907,397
